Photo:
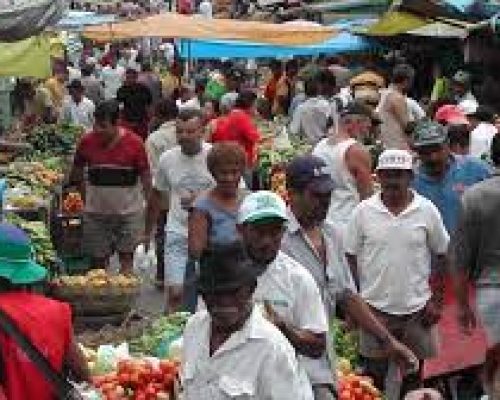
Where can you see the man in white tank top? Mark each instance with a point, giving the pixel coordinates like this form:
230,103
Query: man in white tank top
348,162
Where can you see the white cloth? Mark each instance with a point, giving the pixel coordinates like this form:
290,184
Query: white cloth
293,293
310,119
192,104
81,113
415,111
394,252
112,78
255,363
182,176
206,9
158,142
481,138
345,196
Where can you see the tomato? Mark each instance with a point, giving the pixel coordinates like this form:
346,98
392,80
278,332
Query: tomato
157,375
124,378
168,381
367,397
345,395
140,395
167,366
124,366
134,379
98,381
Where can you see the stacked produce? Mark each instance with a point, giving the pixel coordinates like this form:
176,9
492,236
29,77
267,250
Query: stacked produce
163,332
140,380
96,281
33,181
53,140
271,158
97,294
72,203
355,387
44,250
345,342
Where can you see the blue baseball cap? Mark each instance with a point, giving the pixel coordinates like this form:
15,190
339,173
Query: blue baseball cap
311,172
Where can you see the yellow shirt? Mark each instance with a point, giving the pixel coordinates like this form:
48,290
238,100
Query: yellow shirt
57,91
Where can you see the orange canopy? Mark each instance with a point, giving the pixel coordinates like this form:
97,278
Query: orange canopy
170,25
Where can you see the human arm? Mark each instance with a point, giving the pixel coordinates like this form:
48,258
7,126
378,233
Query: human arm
75,361
359,311
152,213
398,107
463,252
304,341
197,233
359,164
352,244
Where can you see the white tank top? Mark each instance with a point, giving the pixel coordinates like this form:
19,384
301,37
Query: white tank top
345,196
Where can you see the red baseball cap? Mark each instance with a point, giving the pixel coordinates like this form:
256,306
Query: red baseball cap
451,115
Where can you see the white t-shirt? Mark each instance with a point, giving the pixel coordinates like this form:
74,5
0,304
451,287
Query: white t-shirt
205,8
415,111
294,295
182,176
112,78
257,362
481,138
81,113
345,196
394,252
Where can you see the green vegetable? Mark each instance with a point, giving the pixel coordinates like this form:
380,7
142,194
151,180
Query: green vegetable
345,342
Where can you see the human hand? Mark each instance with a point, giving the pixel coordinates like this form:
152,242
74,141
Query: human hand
432,312
466,318
404,357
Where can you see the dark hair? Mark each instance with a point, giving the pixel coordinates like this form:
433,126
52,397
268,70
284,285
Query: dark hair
146,66
276,65
495,150
107,111
292,65
166,109
327,78
458,135
402,72
224,153
87,70
484,114
188,113
246,99
311,86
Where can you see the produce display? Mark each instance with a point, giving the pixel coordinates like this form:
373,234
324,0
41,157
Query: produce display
157,339
72,203
45,254
345,342
140,380
96,280
351,386
34,178
270,157
50,140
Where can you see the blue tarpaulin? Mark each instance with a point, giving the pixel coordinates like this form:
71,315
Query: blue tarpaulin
214,49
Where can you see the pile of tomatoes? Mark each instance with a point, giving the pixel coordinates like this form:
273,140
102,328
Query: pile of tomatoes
356,387
139,380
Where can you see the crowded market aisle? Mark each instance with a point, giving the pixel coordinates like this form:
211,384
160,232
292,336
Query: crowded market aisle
261,229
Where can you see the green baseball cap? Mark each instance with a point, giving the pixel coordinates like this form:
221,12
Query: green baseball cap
429,133
262,207
16,257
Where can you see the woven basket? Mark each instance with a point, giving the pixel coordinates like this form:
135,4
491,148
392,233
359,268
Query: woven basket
97,301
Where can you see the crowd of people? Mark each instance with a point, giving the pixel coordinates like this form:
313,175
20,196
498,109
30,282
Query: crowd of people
371,240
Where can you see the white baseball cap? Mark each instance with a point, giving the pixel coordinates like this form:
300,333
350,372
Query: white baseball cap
261,206
468,106
395,159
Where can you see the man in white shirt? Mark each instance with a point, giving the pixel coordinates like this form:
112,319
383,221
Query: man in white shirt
310,118
112,77
287,289
183,174
389,243
205,9
229,349
348,162
78,109
158,142
482,132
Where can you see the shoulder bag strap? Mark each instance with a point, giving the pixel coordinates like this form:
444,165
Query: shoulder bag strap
63,388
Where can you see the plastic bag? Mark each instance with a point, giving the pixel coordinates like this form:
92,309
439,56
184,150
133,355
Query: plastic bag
145,262
108,357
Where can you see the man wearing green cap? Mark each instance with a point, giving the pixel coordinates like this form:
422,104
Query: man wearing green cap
45,322
292,297
230,349
442,176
